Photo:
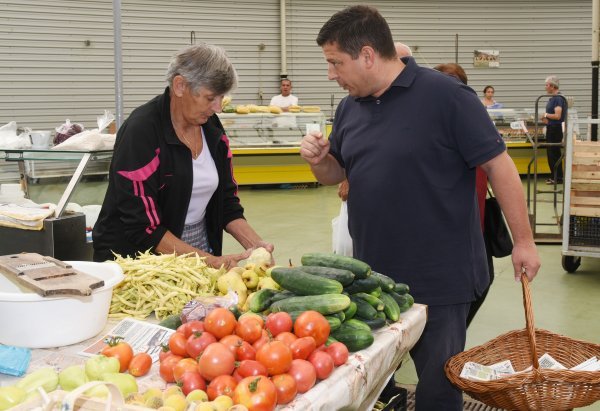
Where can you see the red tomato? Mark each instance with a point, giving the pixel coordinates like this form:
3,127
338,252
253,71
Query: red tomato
314,324
250,314
194,326
286,388
167,365
196,343
140,364
177,343
249,368
237,375
164,351
276,356
256,393
303,347
183,329
192,380
323,364
220,322
249,329
304,373
245,352
119,349
216,360
265,338
183,366
278,322
221,385
286,337
339,353
233,342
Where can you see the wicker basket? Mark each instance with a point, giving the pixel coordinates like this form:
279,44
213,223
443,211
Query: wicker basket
538,389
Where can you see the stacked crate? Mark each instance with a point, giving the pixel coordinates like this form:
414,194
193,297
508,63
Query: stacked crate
584,227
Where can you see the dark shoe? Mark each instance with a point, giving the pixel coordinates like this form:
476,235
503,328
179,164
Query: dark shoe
394,398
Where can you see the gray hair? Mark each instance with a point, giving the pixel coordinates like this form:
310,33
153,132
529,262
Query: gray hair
203,66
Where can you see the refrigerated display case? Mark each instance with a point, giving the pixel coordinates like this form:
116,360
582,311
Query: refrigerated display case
266,147
517,128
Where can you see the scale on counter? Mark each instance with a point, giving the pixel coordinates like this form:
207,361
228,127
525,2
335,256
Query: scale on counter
48,276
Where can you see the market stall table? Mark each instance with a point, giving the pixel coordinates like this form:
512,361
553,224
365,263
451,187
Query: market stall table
355,385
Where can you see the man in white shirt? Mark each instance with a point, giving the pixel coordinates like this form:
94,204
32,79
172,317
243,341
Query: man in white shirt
285,99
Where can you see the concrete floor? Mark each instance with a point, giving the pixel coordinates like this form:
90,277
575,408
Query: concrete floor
298,220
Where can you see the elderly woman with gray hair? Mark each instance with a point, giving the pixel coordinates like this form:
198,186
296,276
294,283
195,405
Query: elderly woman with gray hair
171,186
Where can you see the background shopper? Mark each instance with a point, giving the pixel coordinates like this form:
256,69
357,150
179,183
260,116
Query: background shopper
553,117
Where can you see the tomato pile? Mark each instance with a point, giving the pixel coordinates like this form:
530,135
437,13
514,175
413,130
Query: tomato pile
258,362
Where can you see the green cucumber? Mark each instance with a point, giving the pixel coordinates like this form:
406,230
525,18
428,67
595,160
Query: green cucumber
235,310
282,295
362,285
372,300
340,315
364,309
325,304
301,283
401,288
385,282
376,323
355,323
345,277
359,268
330,340
350,311
354,339
376,292
172,321
334,322
404,301
391,309
261,300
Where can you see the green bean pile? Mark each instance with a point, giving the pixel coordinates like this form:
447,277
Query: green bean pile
161,283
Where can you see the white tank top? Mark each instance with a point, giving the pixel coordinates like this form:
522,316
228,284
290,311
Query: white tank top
205,182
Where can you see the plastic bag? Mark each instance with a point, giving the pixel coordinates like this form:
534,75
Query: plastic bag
11,140
197,308
90,140
342,242
66,130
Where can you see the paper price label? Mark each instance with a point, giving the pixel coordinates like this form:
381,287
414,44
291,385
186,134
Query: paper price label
313,127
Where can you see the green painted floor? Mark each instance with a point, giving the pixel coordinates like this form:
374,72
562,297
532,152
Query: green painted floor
298,220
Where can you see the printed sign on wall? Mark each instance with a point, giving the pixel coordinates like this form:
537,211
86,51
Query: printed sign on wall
486,58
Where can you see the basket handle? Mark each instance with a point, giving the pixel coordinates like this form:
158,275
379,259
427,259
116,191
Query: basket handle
529,320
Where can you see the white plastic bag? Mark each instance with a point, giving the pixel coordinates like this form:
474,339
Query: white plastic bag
342,242
9,138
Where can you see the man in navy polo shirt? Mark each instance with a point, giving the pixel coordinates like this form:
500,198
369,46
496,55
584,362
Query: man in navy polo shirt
408,139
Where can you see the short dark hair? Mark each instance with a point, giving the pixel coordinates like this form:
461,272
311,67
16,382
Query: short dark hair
487,87
453,69
358,26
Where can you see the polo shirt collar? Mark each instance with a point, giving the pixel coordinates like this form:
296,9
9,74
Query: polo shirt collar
404,79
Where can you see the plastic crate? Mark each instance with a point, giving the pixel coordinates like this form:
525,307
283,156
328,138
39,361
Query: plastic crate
584,231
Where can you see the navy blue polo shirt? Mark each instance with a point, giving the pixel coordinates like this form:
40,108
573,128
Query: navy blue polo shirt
410,158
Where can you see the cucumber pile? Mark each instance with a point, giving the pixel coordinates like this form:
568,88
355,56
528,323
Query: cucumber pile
354,299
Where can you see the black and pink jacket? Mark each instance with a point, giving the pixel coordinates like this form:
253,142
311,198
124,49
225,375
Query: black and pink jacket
150,184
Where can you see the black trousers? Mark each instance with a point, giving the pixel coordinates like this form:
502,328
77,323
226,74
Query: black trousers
444,336
554,134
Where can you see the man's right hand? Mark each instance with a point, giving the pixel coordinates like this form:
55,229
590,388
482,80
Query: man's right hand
314,148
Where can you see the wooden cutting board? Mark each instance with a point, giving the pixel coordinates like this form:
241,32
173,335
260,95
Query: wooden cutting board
48,276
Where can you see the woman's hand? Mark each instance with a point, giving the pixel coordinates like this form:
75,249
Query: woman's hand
227,261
